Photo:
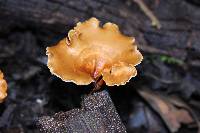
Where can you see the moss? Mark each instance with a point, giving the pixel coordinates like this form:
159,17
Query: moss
171,60
163,58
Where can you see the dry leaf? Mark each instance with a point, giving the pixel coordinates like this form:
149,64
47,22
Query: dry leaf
91,51
172,116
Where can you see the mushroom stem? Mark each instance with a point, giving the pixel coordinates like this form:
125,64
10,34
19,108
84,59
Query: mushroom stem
97,85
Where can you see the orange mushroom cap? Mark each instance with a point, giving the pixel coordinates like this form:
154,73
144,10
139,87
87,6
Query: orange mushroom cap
3,88
91,51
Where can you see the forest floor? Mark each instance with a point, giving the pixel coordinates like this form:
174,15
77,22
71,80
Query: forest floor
171,65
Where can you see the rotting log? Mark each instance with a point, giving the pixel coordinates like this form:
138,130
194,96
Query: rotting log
180,20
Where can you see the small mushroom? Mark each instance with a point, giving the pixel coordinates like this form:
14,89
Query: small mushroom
3,88
91,51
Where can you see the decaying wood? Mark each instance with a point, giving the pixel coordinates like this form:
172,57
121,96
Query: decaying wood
97,114
47,14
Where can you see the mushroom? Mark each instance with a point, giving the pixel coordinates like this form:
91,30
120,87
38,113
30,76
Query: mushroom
90,52
3,88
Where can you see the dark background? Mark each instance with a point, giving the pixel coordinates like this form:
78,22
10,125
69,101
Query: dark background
171,62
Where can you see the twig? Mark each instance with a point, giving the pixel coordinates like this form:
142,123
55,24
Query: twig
152,50
154,21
